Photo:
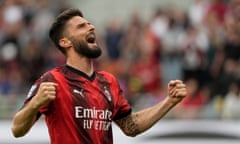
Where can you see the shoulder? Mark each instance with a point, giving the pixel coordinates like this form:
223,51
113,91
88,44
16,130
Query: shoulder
46,77
106,75
50,75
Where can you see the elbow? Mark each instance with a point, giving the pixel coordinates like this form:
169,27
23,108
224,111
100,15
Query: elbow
17,133
131,133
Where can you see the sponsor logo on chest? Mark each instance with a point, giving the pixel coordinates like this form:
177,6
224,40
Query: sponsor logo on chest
96,119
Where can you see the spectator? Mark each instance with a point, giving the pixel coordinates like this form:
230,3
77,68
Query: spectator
231,107
113,39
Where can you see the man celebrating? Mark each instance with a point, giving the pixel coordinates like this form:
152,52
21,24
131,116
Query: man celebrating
80,103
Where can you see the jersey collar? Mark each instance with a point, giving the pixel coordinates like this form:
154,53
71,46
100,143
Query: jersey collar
90,78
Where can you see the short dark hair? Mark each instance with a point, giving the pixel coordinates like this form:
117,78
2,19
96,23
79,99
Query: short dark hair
57,28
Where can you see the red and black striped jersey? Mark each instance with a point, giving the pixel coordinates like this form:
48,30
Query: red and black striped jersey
84,107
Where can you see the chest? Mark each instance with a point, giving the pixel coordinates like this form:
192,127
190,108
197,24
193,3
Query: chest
88,94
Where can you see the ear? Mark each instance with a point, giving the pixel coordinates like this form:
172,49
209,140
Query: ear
65,43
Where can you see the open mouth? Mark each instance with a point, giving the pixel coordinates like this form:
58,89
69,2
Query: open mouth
91,38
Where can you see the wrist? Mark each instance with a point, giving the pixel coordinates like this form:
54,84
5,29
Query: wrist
34,104
171,101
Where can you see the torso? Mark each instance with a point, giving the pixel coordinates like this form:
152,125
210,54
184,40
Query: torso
84,107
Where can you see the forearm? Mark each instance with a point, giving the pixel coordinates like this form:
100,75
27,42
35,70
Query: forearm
139,122
24,119
27,116
146,118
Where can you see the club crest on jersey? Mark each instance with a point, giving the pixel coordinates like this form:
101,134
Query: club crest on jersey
107,94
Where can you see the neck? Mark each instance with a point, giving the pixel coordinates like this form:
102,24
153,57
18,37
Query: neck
81,63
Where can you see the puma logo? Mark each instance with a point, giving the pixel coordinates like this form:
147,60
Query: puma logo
78,92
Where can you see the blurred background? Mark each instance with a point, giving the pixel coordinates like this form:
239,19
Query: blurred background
145,44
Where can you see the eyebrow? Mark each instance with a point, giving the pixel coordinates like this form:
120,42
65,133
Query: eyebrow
82,24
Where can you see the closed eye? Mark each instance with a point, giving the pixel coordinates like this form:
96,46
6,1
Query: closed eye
81,25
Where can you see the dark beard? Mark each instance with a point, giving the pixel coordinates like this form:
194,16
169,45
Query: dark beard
83,49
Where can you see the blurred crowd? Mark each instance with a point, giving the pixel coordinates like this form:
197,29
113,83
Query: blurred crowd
197,45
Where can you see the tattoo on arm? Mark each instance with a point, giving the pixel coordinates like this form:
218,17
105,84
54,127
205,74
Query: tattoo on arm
129,125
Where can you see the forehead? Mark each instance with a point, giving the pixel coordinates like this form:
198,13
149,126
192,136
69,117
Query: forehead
74,21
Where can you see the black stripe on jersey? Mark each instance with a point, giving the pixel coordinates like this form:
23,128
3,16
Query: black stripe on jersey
122,115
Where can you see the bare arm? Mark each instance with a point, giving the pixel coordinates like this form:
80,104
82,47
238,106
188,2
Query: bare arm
26,117
139,122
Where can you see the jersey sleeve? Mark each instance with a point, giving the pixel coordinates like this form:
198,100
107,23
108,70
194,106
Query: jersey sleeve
47,77
122,107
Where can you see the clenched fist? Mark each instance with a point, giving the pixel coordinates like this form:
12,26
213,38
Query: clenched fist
176,91
45,94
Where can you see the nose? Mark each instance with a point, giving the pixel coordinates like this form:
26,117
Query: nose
92,27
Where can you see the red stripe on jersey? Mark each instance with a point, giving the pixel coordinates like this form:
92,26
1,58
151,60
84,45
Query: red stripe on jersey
84,107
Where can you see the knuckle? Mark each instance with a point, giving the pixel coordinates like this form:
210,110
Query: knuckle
44,87
45,92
